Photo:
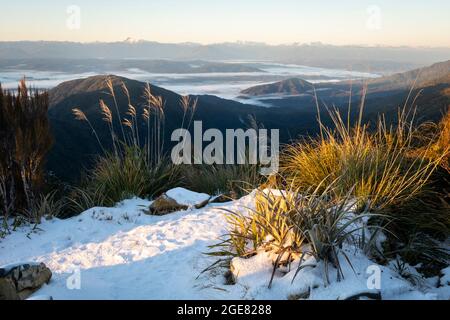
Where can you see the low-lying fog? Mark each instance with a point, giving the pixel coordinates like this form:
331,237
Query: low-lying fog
223,84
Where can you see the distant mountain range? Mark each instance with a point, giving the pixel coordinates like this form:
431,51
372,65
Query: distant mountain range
70,65
438,73
429,86
367,59
295,115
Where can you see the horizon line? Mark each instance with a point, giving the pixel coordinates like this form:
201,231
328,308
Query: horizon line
237,42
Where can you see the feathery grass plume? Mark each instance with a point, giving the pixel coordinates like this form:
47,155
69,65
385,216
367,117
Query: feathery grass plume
193,106
80,116
108,118
127,123
106,112
184,103
125,91
132,124
131,111
156,104
110,85
146,113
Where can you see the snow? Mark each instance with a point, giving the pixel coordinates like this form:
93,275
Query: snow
445,279
186,197
7,268
255,274
123,253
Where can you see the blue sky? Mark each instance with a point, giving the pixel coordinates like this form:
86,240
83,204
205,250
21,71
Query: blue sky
413,23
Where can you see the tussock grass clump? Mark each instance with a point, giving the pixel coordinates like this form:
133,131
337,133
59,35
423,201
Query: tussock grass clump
390,170
48,205
133,167
440,141
222,178
377,165
128,174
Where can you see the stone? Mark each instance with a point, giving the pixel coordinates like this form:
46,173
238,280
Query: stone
372,295
164,205
8,289
201,204
221,198
31,276
177,199
23,280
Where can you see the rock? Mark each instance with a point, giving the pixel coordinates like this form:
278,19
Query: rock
31,276
164,205
300,296
188,198
178,199
221,198
201,204
373,295
8,289
41,297
23,279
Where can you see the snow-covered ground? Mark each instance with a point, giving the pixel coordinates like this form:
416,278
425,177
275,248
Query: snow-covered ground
122,253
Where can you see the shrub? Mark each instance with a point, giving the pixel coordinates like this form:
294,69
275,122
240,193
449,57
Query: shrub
25,140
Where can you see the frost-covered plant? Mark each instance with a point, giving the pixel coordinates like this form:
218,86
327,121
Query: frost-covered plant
327,224
293,224
46,206
81,199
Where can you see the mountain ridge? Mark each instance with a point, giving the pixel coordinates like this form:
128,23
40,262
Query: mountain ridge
389,59
438,73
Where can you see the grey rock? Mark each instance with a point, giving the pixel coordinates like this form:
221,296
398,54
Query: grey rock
164,205
23,279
